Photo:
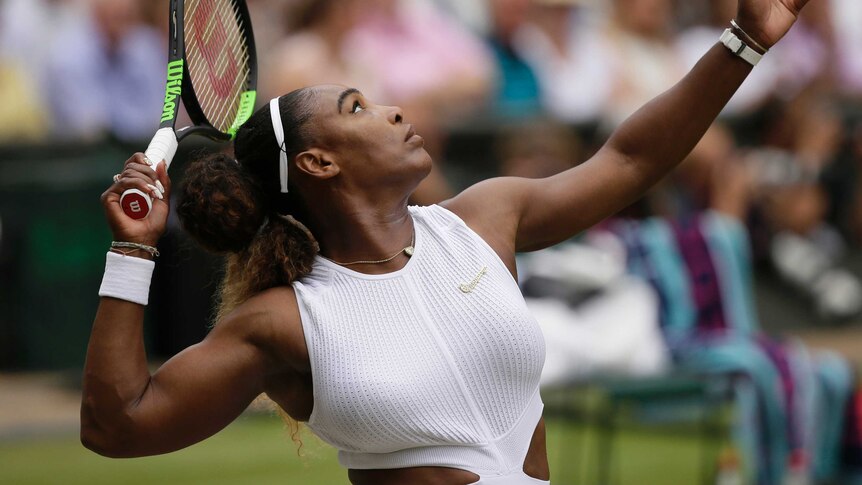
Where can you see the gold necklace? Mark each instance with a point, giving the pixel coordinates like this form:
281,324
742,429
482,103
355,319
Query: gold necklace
407,250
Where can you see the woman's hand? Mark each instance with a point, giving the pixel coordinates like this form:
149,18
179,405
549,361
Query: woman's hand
766,21
137,174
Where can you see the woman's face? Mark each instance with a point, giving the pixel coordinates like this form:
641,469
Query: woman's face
372,144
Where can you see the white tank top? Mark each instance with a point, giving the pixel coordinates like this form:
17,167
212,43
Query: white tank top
436,364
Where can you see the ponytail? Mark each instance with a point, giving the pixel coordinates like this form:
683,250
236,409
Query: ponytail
223,208
282,252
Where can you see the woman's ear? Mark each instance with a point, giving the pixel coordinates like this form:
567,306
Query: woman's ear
317,163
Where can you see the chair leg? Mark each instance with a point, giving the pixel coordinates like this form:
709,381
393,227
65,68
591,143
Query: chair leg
710,425
605,445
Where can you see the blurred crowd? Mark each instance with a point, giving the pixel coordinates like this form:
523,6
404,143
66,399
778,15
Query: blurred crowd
785,157
775,183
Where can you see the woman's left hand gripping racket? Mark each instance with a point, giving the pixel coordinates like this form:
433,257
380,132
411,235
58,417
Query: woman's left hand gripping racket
212,65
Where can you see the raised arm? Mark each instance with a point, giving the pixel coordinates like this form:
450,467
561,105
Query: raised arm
126,411
534,214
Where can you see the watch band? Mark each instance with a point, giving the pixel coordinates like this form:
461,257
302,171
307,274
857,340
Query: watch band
740,48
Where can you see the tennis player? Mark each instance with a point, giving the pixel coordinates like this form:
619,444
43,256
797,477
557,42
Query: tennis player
397,333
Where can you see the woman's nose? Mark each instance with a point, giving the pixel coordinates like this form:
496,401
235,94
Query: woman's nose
395,115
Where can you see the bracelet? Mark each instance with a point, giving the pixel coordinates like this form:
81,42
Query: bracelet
127,278
135,247
740,48
749,39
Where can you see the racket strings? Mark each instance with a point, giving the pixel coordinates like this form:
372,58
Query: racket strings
218,58
224,88
237,48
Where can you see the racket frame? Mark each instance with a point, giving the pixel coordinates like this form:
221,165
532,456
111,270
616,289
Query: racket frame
179,87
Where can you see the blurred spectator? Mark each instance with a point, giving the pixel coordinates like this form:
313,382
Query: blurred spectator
643,60
806,52
518,90
596,319
23,54
537,149
841,181
421,60
105,74
154,14
570,62
313,52
790,402
473,15
26,29
805,248
854,201
268,24
846,17
22,116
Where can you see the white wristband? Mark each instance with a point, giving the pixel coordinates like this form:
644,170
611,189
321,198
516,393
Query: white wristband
127,278
740,48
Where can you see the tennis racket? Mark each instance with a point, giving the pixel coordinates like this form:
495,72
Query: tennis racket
212,66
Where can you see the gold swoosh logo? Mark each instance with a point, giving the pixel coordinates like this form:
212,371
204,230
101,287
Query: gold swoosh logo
469,287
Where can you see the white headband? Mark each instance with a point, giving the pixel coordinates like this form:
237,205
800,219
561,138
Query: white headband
278,128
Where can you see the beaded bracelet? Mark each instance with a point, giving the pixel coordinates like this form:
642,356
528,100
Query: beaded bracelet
135,247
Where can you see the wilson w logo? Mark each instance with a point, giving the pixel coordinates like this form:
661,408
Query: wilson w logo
217,45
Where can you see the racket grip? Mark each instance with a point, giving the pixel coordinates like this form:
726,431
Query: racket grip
163,147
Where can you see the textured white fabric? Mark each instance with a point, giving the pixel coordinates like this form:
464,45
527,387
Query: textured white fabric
511,479
127,278
411,370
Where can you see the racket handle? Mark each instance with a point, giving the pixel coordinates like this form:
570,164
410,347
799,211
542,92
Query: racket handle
163,147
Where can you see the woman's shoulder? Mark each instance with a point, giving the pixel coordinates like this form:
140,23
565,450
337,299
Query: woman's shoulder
277,300
270,320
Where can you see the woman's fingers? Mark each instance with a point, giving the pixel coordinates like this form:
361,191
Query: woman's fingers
162,174
138,173
151,180
140,158
161,207
144,177
137,181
